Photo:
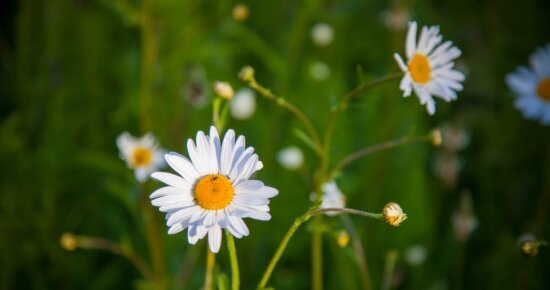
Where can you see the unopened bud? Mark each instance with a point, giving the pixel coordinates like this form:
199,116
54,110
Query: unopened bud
240,12
394,214
343,239
529,245
68,242
247,74
437,139
223,90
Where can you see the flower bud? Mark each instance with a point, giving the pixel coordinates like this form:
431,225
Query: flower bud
240,12
529,245
437,139
343,239
247,74
394,214
68,242
223,90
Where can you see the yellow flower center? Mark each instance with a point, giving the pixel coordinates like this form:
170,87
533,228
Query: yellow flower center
141,157
214,191
420,68
543,89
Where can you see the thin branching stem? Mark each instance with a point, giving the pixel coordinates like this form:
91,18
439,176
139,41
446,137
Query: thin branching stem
291,108
210,263
299,221
375,148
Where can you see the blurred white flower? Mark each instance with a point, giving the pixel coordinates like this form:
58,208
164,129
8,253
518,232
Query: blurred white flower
243,104
141,154
213,190
455,138
332,197
464,220
319,71
532,86
396,18
429,69
290,157
322,34
416,255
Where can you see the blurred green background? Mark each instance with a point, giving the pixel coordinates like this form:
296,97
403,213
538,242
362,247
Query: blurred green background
75,74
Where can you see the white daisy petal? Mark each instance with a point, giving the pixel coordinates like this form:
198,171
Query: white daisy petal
182,166
214,238
411,40
171,179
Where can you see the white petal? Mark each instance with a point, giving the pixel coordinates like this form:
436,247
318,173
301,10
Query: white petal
400,62
214,238
410,45
182,166
171,179
238,225
249,199
226,158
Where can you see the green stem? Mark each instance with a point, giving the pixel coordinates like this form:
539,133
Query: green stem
235,278
153,238
343,105
317,261
389,267
149,52
299,221
290,107
359,253
375,148
216,105
209,276
93,243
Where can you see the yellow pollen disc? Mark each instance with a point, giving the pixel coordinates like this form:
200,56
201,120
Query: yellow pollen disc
420,69
214,191
543,89
141,157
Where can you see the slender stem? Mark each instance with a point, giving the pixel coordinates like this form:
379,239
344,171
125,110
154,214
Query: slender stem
375,148
216,105
317,261
210,262
343,105
93,243
235,278
149,53
299,221
153,239
359,253
290,107
389,267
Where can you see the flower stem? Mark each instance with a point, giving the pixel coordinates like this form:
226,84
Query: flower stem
93,243
216,105
290,107
359,253
235,278
375,148
210,262
299,221
317,261
153,238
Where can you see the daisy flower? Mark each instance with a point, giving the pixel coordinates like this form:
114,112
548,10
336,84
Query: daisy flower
532,86
213,189
290,158
141,154
429,69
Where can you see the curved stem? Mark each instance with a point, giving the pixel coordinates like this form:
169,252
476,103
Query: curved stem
209,276
343,105
375,148
299,221
93,243
359,253
317,261
235,278
290,107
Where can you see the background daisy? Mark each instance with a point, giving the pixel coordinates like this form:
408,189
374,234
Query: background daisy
141,154
213,189
532,86
429,70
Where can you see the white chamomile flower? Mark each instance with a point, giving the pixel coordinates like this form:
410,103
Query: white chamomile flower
243,104
532,86
429,69
290,157
322,34
213,189
141,154
332,197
